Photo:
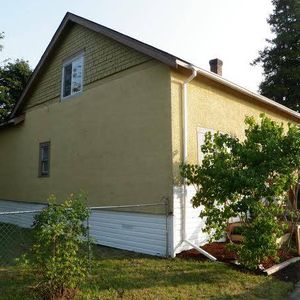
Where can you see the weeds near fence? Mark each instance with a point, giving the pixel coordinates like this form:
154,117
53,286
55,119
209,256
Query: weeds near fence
14,242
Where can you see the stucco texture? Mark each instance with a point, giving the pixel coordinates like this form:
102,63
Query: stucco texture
211,106
113,141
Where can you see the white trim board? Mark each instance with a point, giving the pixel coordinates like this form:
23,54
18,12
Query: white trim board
194,224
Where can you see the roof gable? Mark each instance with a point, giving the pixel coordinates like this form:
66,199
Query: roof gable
103,57
148,50
70,19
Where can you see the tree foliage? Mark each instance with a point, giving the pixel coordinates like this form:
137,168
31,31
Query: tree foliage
60,254
13,78
281,58
248,179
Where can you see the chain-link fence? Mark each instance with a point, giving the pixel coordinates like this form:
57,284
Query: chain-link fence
123,226
16,236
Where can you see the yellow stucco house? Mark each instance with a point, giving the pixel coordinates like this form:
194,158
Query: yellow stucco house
115,117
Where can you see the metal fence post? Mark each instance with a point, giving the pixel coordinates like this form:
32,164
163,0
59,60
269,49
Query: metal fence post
89,243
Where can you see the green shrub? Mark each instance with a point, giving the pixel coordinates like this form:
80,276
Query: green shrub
249,179
260,235
60,257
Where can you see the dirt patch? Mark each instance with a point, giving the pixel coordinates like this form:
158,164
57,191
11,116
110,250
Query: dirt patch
221,253
291,273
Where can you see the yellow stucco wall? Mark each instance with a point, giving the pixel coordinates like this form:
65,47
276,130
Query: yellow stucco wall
113,141
120,140
211,106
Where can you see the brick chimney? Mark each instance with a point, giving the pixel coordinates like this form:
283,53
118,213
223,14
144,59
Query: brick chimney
216,66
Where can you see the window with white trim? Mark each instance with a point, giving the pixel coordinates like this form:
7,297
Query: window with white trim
201,140
72,76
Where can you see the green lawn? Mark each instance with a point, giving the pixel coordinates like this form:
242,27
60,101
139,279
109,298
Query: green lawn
125,275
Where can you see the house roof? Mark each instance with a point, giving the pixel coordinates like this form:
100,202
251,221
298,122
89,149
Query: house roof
160,55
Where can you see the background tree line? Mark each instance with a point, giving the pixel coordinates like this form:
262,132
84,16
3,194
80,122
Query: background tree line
280,61
281,58
13,78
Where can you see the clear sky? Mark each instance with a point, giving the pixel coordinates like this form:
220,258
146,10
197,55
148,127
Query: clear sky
195,30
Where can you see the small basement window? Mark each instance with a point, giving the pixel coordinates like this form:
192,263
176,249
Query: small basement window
72,76
44,160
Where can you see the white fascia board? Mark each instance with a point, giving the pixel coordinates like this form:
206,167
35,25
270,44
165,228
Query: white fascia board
240,89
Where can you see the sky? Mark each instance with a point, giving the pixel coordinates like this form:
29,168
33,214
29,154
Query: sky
194,30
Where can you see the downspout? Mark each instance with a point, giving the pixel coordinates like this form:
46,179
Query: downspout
185,143
185,159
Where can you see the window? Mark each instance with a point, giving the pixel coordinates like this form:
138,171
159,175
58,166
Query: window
72,76
44,160
201,139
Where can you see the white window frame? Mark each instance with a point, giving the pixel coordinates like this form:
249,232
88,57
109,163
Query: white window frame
65,63
200,141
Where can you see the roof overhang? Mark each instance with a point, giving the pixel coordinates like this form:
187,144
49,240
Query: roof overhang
261,99
146,49
13,121
151,51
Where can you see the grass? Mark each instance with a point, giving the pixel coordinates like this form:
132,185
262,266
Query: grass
125,275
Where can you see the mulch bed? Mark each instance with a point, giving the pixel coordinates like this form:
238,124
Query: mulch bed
218,250
221,253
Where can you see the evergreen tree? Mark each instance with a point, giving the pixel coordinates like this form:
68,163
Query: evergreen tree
281,58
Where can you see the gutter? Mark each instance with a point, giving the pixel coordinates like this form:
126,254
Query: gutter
240,89
185,157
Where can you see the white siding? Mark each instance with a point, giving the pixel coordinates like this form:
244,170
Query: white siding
23,220
194,223
144,233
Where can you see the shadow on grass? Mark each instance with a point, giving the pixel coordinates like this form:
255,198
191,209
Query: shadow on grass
130,275
15,285
126,275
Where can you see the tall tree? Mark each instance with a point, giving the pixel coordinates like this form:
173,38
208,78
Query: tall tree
13,78
281,58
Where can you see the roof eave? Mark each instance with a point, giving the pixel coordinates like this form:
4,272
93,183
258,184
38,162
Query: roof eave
40,63
146,49
240,89
13,121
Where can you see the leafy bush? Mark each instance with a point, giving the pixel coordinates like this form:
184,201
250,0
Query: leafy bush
60,252
248,179
260,236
